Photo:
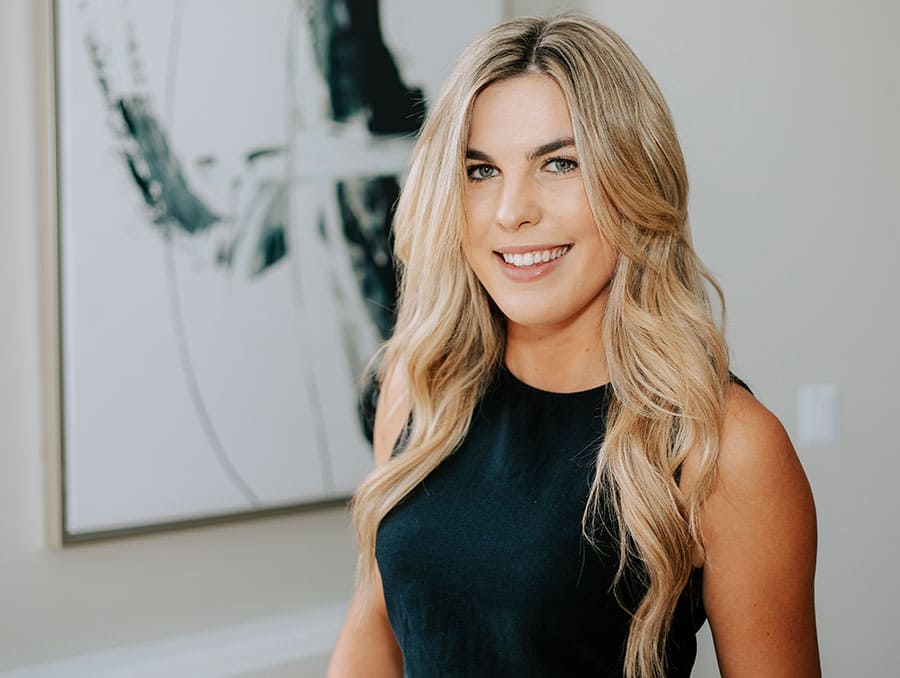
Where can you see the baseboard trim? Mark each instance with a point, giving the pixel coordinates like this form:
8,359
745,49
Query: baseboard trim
219,653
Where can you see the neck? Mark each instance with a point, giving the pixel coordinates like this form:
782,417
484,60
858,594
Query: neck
560,359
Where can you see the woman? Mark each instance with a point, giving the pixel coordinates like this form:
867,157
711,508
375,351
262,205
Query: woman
569,481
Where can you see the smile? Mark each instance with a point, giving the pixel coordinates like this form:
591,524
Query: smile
535,258
529,263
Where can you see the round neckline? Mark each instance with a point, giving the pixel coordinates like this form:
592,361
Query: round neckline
556,394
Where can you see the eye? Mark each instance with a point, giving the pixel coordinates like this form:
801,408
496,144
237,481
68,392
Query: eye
561,165
481,172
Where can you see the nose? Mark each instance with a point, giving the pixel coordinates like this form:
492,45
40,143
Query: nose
518,203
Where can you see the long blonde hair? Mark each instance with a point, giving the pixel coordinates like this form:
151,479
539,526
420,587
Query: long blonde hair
666,356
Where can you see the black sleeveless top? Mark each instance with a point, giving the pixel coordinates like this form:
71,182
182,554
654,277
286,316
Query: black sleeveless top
484,567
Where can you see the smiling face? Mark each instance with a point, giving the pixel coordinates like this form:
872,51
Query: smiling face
530,236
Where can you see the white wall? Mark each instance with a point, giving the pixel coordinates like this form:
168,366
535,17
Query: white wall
788,114
544,7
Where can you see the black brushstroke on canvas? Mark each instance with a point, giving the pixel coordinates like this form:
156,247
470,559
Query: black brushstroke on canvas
157,172
154,168
366,206
359,68
269,202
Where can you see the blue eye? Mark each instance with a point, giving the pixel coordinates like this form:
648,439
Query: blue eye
561,165
481,172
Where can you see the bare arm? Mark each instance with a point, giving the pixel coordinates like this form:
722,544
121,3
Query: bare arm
366,645
759,539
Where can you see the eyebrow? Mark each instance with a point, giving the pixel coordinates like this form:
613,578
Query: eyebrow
544,149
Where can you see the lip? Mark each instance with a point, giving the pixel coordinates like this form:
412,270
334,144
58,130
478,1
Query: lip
533,272
525,249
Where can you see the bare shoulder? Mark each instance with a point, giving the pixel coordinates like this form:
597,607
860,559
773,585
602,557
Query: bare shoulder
391,413
761,487
756,457
759,539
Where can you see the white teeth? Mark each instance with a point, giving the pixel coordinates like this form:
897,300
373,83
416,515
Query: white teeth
533,258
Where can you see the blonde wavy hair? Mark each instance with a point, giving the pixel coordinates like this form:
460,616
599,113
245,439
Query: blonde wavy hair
666,355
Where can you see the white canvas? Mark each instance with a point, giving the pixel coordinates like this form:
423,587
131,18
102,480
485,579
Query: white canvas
193,389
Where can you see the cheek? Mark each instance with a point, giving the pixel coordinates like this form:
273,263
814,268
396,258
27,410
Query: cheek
470,249
573,208
479,206
474,235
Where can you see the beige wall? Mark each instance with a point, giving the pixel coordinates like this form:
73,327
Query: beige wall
787,112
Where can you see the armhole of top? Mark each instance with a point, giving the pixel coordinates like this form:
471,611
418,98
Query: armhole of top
734,379
403,438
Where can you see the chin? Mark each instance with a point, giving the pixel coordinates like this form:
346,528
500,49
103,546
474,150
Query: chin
527,315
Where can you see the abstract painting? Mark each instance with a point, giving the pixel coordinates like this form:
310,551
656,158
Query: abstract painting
226,175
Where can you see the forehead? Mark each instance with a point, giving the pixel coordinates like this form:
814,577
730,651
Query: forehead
519,113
